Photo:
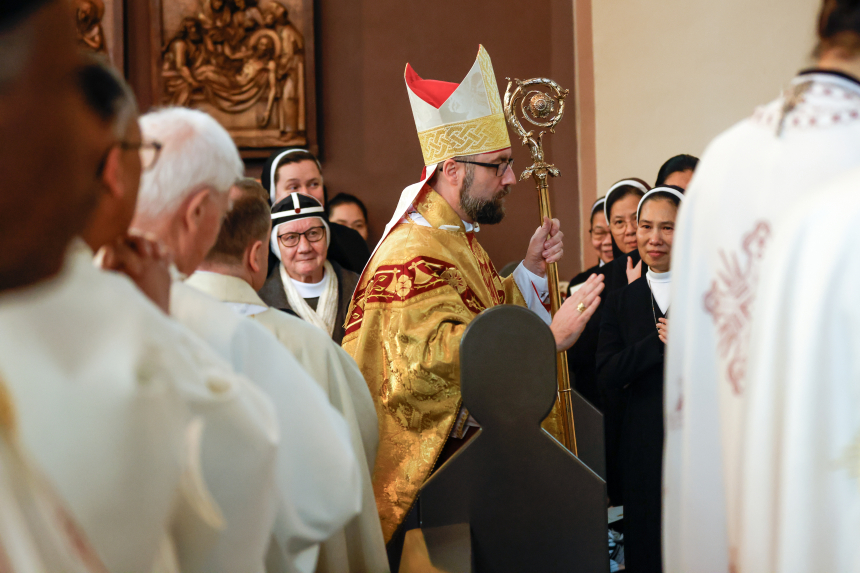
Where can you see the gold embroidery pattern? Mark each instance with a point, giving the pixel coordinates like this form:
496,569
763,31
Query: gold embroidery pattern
490,84
406,344
489,133
454,279
404,286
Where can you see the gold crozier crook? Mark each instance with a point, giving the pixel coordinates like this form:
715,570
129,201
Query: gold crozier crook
544,108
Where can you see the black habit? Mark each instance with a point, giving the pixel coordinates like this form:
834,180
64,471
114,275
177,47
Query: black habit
581,360
273,294
580,356
583,276
347,248
630,359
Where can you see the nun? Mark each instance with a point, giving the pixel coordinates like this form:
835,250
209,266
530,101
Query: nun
619,208
305,282
677,171
601,241
297,170
630,356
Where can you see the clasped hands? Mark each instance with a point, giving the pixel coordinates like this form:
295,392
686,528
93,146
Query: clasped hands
145,261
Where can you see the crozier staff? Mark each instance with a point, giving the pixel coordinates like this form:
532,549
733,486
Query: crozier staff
630,355
306,282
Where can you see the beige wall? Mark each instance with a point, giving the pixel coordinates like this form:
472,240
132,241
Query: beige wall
669,75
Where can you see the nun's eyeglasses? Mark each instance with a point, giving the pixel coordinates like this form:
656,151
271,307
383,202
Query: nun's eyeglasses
621,223
149,152
499,167
313,235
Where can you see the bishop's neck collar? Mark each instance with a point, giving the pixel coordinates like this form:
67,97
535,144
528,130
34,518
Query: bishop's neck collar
439,214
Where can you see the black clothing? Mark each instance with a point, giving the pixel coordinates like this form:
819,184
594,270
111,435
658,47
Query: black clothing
615,272
13,12
630,359
581,360
583,276
273,295
348,248
580,356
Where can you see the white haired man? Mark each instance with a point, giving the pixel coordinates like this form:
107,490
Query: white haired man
234,270
182,202
238,446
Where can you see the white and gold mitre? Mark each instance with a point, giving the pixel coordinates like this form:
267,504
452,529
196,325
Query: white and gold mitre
454,120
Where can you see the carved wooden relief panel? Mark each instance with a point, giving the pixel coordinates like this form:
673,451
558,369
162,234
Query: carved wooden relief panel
248,63
99,26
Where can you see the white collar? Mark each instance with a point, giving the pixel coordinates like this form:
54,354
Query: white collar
661,288
824,76
310,290
659,277
420,220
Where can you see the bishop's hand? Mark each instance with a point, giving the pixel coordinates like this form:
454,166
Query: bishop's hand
545,247
570,320
145,262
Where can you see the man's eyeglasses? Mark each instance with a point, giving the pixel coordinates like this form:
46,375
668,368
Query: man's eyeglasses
313,235
149,152
499,167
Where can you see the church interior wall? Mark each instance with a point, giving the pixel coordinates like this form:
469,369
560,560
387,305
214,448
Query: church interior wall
669,76
368,141
649,80
366,134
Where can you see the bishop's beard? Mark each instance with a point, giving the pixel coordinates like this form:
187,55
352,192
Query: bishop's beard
482,211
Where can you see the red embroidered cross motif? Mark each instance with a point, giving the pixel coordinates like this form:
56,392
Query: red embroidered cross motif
731,298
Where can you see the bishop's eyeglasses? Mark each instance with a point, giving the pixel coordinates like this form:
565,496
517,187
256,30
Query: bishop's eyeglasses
499,167
313,235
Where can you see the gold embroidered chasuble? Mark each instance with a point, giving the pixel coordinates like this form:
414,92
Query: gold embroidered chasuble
419,292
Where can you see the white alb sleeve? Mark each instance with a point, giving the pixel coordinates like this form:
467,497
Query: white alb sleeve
534,289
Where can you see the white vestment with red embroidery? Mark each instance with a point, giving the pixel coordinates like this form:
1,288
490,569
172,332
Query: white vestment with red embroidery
746,181
800,497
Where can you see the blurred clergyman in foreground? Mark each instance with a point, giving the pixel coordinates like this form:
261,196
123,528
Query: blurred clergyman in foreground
38,72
